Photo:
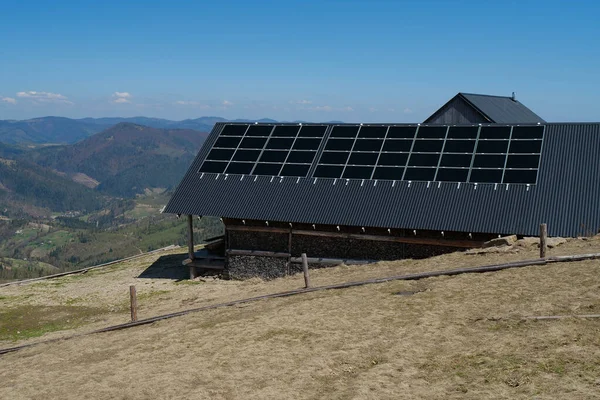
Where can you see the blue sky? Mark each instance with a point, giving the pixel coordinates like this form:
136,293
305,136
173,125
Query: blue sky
289,60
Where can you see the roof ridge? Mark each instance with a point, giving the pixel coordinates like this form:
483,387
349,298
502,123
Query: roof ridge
484,95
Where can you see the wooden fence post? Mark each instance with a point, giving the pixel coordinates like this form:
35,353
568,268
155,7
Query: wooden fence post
543,237
191,254
305,268
133,301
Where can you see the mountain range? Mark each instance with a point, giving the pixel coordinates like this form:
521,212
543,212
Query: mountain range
61,130
126,159
56,164
119,162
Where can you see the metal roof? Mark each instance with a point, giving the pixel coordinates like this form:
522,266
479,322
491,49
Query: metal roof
497,109
566,195
501,109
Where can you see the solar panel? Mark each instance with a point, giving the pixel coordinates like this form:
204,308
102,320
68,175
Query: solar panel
487,154
474,154
260,149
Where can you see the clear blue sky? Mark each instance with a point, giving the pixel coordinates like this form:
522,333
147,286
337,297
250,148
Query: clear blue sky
311,60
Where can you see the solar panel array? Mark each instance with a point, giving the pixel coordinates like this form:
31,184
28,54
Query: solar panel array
275,150
478,154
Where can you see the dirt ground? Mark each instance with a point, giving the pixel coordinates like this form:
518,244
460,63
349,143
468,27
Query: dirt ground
437,338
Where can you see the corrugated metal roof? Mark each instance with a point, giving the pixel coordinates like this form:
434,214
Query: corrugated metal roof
566,196
502,109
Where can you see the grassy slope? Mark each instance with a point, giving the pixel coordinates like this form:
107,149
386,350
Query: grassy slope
459,337
70,243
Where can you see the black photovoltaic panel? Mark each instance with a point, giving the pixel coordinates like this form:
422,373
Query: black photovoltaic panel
260,149
373,132
389,173
486,154
345,131
495,132
273,156
234,130
402,132
476,154
397,145
339,144
398,159
432,132
463,132
286,131
259,130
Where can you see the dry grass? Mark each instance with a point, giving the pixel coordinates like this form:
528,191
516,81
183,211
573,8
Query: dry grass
457,337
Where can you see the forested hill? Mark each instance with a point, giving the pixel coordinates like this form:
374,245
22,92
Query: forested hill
127,158
7,151
25,186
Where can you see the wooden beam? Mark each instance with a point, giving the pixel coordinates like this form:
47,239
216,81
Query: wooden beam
288,263
190,223
200,260
258,253
257,229
215,238
333,261
206,264
396,239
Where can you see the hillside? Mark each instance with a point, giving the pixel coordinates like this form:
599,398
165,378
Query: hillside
126,159
439,338
74,239
7,151
25,186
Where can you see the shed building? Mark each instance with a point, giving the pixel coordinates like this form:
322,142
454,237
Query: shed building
370,192
470,108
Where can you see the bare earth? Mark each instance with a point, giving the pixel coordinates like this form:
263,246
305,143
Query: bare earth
456,337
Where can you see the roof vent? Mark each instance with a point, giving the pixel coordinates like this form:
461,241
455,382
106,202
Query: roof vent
513,97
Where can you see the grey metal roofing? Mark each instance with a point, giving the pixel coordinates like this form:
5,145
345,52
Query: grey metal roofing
566,196
498,109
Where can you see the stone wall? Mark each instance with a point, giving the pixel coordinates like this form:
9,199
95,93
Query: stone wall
332,247
242,267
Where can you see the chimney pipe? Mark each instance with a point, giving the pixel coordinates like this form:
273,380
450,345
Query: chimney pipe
513,98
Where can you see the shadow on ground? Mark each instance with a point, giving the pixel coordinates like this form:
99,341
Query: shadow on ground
167,267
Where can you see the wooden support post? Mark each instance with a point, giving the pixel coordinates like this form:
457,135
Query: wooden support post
543,237
305,268
133,303
193,272
289,261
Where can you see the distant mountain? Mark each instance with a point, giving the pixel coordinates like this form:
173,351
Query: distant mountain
46,130
126,158
59,130
204,124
